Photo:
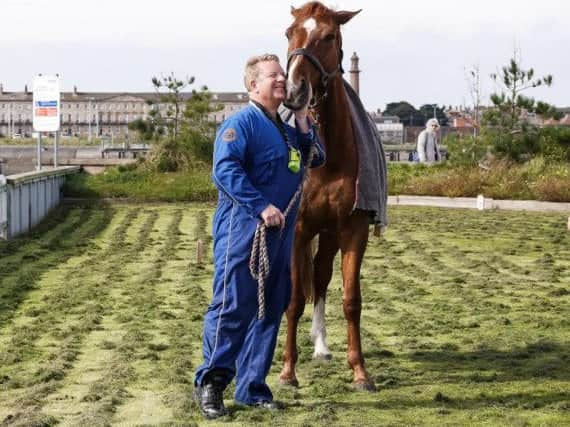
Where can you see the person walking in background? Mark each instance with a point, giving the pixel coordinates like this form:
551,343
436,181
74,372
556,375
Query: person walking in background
428,144
258,168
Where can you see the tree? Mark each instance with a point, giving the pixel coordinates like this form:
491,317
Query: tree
473,78
510,102
146,129
406,112
197,128
504,126
427,111
170,96
190,133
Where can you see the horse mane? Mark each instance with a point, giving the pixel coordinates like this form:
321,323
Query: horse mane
313,9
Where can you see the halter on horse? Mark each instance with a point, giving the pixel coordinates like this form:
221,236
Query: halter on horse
329,195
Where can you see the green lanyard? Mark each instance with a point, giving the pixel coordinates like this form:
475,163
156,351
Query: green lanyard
294,160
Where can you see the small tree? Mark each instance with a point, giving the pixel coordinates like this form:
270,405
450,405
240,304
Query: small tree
197,128
505,128
171,99
473,78
190,132
510,102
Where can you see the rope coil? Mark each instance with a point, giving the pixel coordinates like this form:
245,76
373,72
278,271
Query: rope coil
259,259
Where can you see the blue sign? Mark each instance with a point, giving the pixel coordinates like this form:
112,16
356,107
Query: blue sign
46,103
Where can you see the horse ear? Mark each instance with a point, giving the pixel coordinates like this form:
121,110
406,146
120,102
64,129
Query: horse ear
343,16
293,10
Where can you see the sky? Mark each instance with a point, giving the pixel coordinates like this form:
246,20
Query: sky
417,51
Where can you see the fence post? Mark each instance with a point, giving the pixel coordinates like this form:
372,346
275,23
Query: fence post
199,251
480,202
3,208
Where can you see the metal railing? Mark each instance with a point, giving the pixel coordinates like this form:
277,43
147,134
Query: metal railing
26,199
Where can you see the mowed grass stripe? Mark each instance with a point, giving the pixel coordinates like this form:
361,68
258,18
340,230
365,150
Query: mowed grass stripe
181,319
35,377
20,271
42,311
134,308
79,301
146,338
97,351
49,230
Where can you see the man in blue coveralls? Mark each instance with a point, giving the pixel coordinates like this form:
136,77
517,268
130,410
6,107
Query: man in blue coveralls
258,167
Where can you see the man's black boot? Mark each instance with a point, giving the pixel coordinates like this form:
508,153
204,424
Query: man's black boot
210,398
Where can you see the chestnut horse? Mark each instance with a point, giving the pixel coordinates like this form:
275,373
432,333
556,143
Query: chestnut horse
327,207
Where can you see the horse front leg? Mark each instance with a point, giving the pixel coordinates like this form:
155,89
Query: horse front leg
301,262
353,241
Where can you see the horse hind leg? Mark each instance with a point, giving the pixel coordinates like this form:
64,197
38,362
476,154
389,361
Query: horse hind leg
323,268
353,244
319,332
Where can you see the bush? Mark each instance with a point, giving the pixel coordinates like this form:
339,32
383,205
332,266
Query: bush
554,143
465,150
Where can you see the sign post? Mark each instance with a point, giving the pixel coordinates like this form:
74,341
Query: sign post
46,109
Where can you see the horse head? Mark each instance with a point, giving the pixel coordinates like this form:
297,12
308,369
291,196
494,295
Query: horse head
314,55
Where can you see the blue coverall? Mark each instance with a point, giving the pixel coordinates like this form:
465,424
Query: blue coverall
250,171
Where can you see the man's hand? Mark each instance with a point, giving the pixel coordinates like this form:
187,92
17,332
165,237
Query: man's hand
272,217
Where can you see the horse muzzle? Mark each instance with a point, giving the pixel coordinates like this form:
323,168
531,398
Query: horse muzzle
297,95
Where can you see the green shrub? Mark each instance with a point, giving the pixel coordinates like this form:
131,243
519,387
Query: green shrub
465,150
554,143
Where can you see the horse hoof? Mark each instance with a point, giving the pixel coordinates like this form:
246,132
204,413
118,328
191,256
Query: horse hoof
291,382
322,357
365,386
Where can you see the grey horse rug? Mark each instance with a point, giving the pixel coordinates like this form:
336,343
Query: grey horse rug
372,182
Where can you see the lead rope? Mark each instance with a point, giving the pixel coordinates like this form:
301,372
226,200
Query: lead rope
259,259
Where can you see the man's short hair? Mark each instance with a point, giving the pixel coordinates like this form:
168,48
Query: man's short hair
252,70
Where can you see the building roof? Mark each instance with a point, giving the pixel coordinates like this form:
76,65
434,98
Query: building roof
238,97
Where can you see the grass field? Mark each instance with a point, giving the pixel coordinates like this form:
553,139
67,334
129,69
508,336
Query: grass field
466,321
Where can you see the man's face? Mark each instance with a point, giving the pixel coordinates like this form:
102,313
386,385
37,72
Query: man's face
270,85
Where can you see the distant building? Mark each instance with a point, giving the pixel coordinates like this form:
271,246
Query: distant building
390,129
564,121
102,114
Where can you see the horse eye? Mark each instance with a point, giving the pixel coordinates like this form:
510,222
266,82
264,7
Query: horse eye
330,37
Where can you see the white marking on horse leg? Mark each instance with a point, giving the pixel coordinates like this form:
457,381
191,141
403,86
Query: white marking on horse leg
319,332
